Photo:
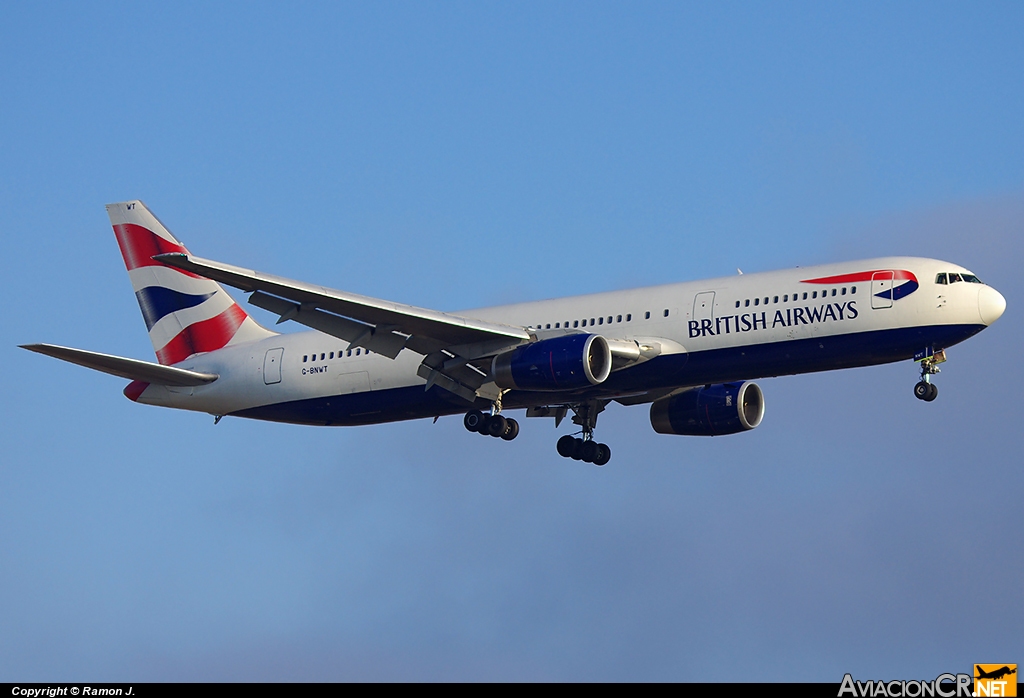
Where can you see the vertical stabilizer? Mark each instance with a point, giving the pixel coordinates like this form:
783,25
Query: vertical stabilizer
185,314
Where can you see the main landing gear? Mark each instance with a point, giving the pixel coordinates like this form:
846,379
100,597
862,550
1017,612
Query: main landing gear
491,425
925,389
585,449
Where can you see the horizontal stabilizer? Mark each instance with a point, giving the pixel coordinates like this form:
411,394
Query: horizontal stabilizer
132,369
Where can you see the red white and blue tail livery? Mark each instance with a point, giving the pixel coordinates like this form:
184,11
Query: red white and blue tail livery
185,313
689,350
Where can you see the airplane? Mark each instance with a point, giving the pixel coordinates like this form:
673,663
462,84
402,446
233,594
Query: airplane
995,674
689,350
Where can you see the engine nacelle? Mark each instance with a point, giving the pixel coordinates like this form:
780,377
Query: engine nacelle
560,363
714,410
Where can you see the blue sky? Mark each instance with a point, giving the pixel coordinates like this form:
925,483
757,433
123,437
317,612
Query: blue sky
457,155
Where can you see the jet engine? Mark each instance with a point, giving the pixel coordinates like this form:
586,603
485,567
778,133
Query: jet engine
560,363
712,410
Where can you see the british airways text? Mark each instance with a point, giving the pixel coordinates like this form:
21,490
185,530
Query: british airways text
748,322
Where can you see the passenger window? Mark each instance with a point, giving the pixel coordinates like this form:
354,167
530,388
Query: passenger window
833,293
629,317
746,303
785,298
609,319
805,295
321,356
600,321
666,312
766,300
548,327
358,351
557,324
814,294
575,323
647,315
618,318
331,356
775,300
844,290
853,289
591,322
737,304
304,356
349,352
757,301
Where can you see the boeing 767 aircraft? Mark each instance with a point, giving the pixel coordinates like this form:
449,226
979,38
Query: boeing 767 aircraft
689,350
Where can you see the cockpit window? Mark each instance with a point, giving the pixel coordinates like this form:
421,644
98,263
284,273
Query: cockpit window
971,279
953,278
940,279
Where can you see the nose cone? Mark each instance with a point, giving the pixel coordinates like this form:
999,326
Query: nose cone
991,304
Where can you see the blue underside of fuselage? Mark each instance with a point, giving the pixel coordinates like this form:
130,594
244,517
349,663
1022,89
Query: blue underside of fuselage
695,368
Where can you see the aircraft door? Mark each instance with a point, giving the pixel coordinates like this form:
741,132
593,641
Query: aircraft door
272,366
881,289
704,306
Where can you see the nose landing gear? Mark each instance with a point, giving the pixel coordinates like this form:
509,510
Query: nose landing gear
925,389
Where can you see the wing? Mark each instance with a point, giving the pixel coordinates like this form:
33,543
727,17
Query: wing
450,343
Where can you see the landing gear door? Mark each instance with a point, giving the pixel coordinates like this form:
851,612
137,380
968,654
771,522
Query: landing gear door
272,366
881,289
704,306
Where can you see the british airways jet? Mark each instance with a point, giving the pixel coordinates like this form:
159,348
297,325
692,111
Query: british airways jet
689,350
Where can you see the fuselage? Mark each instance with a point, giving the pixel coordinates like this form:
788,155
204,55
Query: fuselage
712,331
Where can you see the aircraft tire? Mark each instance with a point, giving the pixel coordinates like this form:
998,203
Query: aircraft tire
604,454
922,390
566,445
497,425
577,449
589,452
472,420
933,392
511,429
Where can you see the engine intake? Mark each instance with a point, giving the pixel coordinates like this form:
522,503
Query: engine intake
560,363
713,410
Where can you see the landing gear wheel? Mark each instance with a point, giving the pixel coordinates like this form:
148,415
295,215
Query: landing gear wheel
577,449
511,429
604,454
566,445
589,452
472,420
497,425
926,391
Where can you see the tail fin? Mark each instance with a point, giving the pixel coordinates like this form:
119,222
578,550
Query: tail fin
184,313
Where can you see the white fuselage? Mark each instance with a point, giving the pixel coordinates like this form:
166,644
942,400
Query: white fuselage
731,328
